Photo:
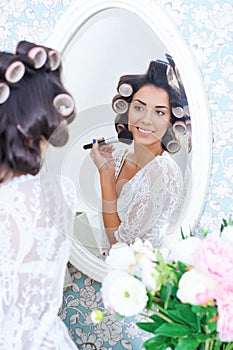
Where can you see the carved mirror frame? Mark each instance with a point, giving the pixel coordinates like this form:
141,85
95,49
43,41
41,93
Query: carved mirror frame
154,16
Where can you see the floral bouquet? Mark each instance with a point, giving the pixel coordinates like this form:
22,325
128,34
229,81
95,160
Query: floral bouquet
186,296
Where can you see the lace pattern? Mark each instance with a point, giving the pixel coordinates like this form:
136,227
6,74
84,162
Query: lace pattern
149,204
35,219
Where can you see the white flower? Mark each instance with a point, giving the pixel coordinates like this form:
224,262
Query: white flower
227,234
121,257
184,249
149,279
123,293
144,248
196,288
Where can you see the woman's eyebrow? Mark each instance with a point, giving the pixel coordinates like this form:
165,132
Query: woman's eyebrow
162,107
144,103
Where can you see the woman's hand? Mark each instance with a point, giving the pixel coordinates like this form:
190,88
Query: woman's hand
102,157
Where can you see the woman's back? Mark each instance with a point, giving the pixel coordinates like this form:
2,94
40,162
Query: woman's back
35,222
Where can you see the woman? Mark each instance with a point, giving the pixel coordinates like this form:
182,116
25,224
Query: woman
142,188
35,211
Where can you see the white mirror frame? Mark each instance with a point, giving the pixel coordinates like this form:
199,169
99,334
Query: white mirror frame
162,25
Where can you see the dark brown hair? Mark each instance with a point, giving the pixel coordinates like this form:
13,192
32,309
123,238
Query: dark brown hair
29,113
156,75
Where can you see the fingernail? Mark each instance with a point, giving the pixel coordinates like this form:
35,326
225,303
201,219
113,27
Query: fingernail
94,141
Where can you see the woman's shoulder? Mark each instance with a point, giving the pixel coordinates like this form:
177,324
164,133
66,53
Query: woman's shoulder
58,186
166,168
166,160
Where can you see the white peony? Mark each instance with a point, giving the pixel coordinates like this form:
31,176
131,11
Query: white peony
227,234
184,249
123,293
121,257
196,288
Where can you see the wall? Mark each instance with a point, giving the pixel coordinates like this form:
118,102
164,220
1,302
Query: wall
207,26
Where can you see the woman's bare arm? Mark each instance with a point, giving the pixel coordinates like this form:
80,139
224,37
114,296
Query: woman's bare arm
102,157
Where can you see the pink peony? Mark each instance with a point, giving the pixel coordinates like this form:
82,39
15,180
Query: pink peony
224,294
225,323
214,258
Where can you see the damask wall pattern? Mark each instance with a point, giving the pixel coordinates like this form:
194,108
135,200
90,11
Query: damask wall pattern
207,26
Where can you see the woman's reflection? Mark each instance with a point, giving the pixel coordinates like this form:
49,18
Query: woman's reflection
142,187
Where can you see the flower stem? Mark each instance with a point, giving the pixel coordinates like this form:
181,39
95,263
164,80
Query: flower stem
161,315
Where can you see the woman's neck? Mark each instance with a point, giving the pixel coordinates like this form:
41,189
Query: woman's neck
143,155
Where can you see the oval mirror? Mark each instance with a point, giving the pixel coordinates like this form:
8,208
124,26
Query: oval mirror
100,40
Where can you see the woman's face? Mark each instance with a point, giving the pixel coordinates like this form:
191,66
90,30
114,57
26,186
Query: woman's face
149,115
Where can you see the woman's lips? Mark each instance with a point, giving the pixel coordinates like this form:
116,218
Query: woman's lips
144,132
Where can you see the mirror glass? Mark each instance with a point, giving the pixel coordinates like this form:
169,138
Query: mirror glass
100,43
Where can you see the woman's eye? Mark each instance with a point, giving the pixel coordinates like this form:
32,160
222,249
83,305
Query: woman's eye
159,113
138,108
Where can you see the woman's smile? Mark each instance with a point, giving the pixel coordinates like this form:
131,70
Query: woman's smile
144,132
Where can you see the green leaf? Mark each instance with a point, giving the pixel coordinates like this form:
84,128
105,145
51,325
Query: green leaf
183,314
173,330
150,326
188,344
182,267
150,300
197,309
167,291
158,343
210,315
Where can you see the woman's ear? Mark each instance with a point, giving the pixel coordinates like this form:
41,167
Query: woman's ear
120,127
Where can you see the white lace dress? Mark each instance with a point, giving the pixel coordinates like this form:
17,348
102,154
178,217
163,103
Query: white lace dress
35,222
149,204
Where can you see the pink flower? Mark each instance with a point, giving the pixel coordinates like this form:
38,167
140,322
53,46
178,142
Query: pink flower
225,323
214,258
224,294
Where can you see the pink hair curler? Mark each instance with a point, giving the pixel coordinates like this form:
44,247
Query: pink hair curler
125,90
178,112
14,72
38,55
4,92
54,59
64,104
120,106
180,127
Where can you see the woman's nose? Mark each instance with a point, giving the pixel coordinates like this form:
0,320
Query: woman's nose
147,116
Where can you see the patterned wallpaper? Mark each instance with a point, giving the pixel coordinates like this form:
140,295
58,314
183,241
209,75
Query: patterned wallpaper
207,26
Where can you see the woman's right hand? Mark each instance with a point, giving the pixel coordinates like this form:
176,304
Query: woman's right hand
102,157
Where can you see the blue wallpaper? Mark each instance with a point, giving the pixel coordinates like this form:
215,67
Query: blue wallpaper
207,26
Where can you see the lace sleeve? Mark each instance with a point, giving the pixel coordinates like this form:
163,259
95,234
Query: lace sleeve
34,250
148,202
